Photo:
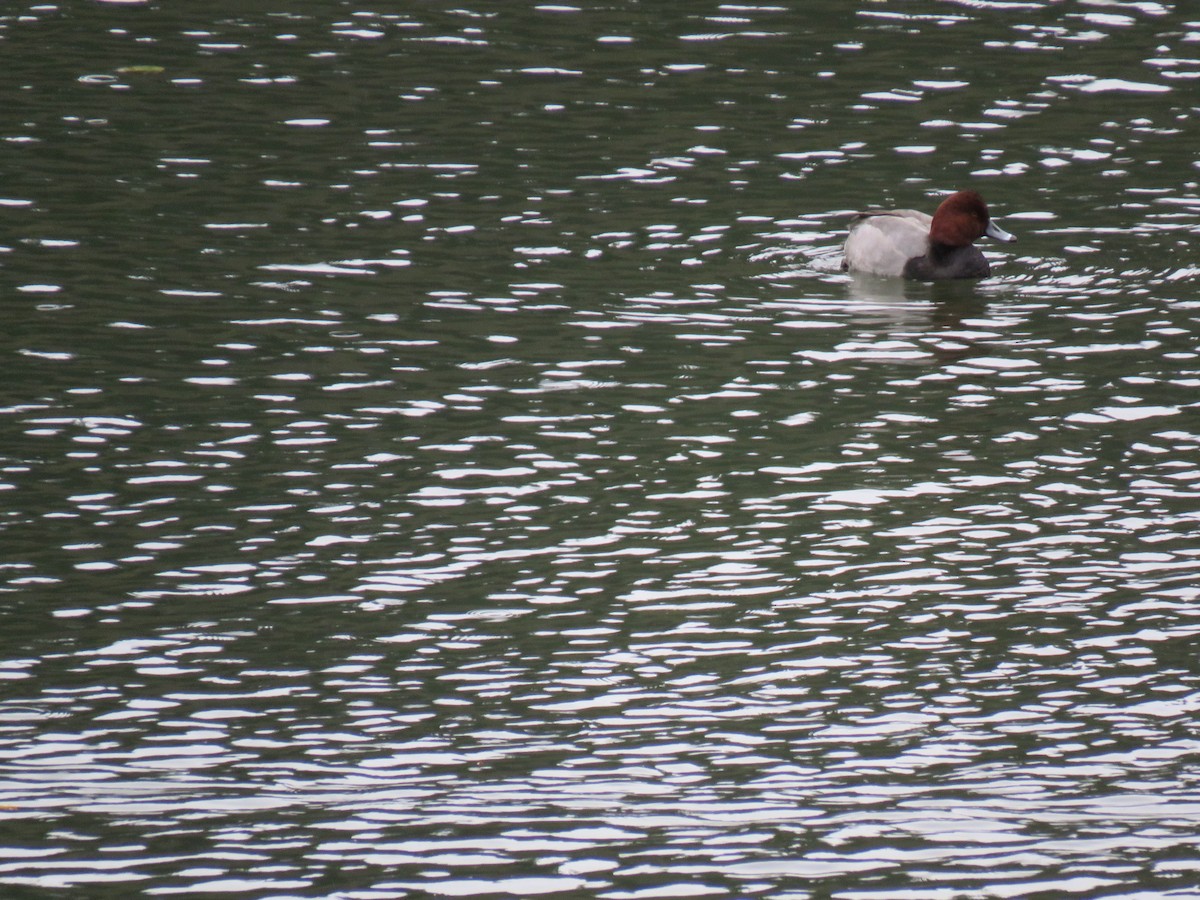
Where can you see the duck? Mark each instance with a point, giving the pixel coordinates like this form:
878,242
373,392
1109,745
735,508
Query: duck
906,243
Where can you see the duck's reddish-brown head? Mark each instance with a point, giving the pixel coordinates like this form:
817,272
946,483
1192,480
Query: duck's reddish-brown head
961,219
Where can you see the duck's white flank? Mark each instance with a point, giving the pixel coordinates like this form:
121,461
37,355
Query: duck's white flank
881,242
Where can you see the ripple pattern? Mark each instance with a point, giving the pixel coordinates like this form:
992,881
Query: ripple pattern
444,458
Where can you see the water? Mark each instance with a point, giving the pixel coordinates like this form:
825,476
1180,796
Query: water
442,457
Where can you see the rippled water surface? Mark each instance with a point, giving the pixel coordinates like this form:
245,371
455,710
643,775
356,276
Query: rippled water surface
442,456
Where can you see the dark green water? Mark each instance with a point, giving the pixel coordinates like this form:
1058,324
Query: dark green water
442,456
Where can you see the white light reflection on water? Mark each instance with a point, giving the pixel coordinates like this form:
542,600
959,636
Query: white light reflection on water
367,561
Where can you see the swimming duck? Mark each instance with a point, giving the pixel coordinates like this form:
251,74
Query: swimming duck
911,244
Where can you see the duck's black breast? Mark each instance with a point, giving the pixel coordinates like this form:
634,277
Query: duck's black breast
948,262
